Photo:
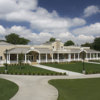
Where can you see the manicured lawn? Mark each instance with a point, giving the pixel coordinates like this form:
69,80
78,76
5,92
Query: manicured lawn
78,89
26,69
7,89
77,67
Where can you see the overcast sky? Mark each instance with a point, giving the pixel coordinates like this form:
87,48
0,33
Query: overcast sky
38,20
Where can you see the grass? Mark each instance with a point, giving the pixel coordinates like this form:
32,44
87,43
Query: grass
7,89
77,89
26,69
76,66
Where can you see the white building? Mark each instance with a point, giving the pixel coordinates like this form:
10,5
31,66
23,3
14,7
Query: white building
47,52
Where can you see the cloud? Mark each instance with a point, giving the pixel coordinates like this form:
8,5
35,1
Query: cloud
43,36
48,24
93,29
91,10
39,18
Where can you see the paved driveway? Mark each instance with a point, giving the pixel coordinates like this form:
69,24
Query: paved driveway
37,87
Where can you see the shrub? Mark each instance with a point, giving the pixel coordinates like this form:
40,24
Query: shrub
29,73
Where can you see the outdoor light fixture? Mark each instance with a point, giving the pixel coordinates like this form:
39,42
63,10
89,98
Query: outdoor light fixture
83,57
6,61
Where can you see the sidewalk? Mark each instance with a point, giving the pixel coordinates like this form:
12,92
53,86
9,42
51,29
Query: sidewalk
93,62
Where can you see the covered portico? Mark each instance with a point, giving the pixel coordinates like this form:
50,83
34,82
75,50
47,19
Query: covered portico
41,55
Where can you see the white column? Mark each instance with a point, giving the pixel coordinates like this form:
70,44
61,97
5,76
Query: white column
74,56
69,57
96,55
25,58
86,57
17,58
58,57
90,55
39,57
46,57
93,56
52,58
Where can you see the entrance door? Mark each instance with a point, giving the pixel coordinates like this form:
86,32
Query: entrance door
30,58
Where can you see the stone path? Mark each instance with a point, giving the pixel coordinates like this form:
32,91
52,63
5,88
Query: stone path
37,87
58,70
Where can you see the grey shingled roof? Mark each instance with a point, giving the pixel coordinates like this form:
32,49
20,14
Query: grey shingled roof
18,50
92,51
5,43
26,50
47,50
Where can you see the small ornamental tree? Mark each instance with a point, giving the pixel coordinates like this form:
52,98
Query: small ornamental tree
20,59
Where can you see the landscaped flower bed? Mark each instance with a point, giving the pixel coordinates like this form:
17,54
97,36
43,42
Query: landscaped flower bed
26,69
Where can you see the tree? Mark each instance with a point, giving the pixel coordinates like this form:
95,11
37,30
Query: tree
96,43
68,43
87,45
52,39
16,39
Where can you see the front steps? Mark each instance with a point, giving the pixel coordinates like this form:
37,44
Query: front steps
34,63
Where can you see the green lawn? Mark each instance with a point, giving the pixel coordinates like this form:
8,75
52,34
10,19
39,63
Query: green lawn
77,89
7,89
26,69
77,67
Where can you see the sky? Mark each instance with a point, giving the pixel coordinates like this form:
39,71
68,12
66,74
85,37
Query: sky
39,20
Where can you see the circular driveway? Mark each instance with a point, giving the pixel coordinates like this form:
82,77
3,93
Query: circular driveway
37,87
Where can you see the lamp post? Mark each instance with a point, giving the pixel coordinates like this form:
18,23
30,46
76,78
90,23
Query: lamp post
6,62
83,57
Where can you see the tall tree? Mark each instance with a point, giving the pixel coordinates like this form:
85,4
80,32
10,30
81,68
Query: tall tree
52,39
68,43
16,39
96,43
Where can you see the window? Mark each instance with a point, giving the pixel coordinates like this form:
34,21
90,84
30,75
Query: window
0,57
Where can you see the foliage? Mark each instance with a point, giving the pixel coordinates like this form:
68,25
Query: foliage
68,43
96,43
52,39
21,58
26,69
16,39
87,45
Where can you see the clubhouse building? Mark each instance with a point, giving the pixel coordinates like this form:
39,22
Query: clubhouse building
47,52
